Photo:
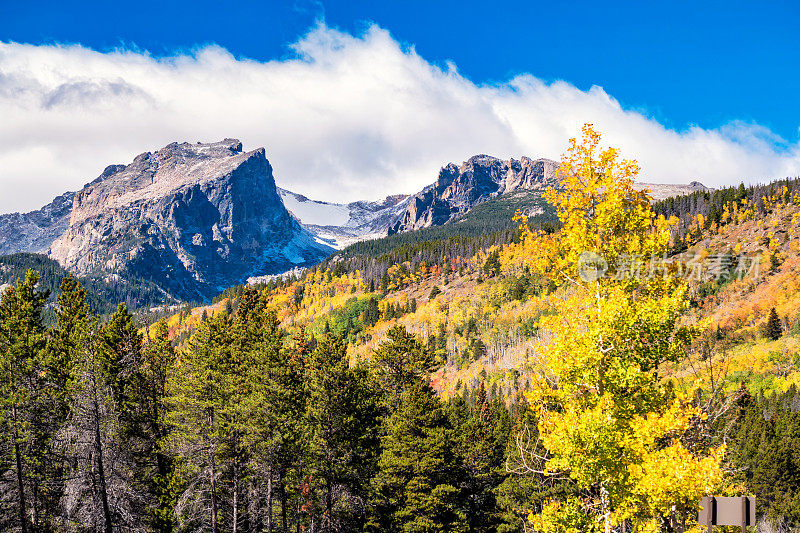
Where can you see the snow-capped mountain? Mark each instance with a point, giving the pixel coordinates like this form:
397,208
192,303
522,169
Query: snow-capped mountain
198,218
343,224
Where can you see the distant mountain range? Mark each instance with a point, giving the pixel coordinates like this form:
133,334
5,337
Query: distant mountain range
197,218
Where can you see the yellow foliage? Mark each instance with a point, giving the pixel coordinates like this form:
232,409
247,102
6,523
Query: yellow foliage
605,417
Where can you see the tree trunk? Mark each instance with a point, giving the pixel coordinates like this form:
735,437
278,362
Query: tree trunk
269,499
605,509
162,461
285,528
328,506
23,518
98,453
235,486
212,474
34,506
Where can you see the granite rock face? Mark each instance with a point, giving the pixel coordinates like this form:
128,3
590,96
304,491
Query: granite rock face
35,231
194,218
460,188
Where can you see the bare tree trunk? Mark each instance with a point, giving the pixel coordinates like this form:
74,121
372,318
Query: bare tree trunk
98,453
94,489
285,529
235,487
213,474
605,509
254,522
34,506
328,505
23,518
269,499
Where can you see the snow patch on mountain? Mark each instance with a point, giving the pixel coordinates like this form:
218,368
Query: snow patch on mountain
312,212
340,225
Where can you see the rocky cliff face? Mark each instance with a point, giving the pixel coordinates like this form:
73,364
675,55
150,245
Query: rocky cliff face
195,218
35,231
480,178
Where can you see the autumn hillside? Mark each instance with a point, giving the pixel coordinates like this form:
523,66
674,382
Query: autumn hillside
598,363
479,314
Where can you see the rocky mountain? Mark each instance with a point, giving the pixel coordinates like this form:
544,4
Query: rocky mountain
459,188
195,218
661,191
35,231
456,190
343,224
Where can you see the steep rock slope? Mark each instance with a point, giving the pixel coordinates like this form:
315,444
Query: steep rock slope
35,231
480,178
194,218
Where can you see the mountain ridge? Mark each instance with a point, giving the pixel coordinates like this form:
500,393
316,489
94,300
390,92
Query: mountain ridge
200,217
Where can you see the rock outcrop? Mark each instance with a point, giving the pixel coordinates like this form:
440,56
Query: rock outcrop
660,191
35,231
480,178
194,218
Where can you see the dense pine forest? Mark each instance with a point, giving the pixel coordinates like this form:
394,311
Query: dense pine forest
102,293
485,225
245,430
469,383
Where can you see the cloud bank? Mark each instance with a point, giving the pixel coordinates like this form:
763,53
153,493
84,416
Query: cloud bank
345,118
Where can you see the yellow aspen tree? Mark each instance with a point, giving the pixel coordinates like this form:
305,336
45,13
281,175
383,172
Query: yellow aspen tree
607,419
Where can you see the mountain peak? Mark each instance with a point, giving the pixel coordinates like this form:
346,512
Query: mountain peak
198,217
479,178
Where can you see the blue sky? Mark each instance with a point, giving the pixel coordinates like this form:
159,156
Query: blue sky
358,100
704,63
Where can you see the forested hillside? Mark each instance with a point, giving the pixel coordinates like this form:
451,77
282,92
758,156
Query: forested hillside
103,293
500,382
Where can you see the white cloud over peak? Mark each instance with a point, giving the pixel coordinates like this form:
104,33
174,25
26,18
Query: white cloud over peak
348,117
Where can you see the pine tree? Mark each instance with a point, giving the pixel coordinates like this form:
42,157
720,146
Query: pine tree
484,437
71,312
155,466
100,490
401,360
491,267
63,355
198,392
774,328
22,342
416,488
342,417
268,390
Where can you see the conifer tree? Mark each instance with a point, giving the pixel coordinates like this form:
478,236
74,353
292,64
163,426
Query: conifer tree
484,437
155,466
63,355
342,417
416,488
774,328
268,417
401,360
71,313
22,342
100,491
198,392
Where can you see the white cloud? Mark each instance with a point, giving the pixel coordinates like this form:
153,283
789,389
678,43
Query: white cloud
349,117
